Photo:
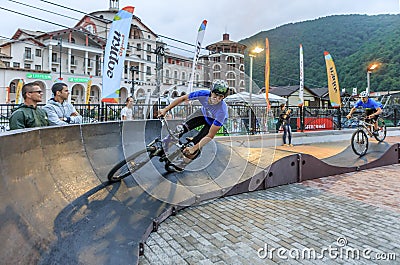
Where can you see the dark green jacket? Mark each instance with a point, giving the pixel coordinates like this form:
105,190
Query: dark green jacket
25,116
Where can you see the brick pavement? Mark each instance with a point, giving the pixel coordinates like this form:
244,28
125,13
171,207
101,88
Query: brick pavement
360,209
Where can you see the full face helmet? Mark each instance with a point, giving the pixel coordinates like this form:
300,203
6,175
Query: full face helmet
220,87
364,94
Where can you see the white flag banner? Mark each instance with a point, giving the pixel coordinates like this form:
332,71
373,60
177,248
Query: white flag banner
199,40
115,53
301,88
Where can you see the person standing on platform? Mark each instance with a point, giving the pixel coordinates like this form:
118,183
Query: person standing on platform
284,118
127,111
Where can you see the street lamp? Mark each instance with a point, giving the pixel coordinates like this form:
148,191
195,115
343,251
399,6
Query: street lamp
252,54
133,69
369,71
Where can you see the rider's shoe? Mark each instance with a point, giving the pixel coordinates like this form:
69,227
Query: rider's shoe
375,133
176,167
191,156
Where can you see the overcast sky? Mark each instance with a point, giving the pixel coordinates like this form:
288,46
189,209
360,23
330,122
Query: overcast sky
180,19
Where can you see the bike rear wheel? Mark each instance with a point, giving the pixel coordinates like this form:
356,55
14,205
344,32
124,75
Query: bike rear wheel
128,166
381,131
359,142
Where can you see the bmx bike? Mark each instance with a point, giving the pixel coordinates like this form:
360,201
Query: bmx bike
365,129
173,162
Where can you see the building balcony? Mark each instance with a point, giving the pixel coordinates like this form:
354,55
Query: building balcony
28,57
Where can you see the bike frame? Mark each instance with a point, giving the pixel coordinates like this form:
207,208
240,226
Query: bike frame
366,126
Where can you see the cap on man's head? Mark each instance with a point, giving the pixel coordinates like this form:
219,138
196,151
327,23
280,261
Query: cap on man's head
58,87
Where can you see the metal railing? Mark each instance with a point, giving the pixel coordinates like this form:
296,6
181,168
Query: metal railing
241,116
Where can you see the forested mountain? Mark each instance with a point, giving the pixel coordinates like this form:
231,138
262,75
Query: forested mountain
354,41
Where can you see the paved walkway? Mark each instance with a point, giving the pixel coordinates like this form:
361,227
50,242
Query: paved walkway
352,218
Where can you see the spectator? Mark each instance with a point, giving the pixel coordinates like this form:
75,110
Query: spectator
59,110
284,118
27,114
127,111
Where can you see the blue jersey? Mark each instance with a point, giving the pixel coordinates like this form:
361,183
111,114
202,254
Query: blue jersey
213,114
370,104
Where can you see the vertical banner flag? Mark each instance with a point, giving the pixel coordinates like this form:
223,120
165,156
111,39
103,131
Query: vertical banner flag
301,88
199,40
8,100
114,55
333,82
267,71
88,87
18,94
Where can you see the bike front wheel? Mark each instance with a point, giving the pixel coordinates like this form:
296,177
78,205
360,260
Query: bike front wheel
128,166
381,131
359,142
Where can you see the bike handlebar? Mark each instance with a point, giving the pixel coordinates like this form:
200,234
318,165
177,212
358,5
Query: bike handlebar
165,123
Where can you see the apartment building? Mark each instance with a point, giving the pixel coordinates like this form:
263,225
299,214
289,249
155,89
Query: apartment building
75,55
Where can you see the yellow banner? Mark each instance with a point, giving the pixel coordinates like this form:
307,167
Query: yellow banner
333,81
19,90
8,100
267,70
88,87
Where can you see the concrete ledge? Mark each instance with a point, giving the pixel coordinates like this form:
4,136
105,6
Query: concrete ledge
273,139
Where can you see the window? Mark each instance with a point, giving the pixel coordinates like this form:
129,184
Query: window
12,87
38,53
27,66
197,80
148,47
54,57
148,71
16,65
231,59
217,75
73,60
175,77
38,67
7,64
231,78
138,46
167,73
183,76
28,53
149,58
53,69
149,37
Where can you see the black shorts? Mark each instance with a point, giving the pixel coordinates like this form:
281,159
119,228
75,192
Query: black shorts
370,112
195,120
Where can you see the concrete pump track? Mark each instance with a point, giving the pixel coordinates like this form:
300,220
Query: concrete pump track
57,206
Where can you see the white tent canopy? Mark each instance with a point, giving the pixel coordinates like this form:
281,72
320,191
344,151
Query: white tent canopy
256,99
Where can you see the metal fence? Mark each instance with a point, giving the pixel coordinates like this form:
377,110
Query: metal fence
242,118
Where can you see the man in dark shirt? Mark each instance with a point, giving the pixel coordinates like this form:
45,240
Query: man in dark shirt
27,114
